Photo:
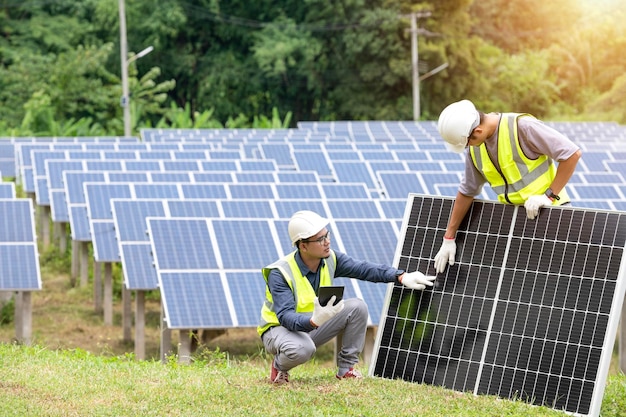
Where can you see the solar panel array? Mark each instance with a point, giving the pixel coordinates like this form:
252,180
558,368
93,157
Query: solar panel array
359,173
528,311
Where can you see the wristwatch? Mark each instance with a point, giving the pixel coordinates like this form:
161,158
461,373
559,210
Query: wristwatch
551,195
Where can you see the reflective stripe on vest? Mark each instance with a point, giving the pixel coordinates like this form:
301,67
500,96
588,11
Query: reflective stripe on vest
518,177
303,292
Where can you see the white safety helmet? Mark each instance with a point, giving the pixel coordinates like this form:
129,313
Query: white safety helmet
456,123
304,224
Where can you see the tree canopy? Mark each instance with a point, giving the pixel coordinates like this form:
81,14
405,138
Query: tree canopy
238,62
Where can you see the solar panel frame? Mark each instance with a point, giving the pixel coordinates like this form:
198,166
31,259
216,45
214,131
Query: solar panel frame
464,333
19,256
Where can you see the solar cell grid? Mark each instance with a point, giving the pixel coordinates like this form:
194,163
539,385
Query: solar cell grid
19,258
529,310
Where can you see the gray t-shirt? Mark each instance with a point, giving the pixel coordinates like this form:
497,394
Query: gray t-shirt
536,139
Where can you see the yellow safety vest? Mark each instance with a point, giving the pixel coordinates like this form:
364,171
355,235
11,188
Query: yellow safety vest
303,292
518,177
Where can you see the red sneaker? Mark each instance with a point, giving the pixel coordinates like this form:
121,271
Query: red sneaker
278,377
352,373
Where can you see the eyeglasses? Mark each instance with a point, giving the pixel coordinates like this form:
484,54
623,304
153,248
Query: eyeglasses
321,240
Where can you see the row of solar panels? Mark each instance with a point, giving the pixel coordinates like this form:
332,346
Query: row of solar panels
95,227
420,137
39,181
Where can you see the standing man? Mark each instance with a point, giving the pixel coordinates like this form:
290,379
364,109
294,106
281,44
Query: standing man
293,323
514,153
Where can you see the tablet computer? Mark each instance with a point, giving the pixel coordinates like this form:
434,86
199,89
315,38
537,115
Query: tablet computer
325,293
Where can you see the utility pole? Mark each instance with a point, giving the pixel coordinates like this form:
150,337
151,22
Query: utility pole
415,59
124,101
125,61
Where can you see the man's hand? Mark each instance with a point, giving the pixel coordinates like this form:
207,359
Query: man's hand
534,203
416,280
321,314
445,255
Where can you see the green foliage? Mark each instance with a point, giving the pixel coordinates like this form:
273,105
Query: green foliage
7,311
40,381
53,261
233,63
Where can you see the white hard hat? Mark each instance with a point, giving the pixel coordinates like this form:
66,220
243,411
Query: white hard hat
304,224
456,123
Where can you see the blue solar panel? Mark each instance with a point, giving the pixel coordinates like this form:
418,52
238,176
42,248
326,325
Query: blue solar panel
314,161
193,208
286,207
434,179
16,218
258,165
400,185
293,191
247,290
99,195
79,223
297,176
130,217
105,247
7,190
354,172
243,244
137,262
353,209
345,191
181,244
260,209
374,240
263,191
19,258
393,209
200,190
156,190
213,176
219,165
251,176
280,152
125,176
595,191
194,300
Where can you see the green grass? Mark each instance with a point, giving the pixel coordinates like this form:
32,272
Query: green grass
35,381
77,366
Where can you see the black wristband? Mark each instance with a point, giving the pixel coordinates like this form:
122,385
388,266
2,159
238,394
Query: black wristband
551,195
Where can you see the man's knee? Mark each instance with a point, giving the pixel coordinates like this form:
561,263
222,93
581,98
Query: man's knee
357,307
300,352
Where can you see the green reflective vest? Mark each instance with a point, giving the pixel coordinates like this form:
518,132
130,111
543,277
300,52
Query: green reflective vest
518,177
303,292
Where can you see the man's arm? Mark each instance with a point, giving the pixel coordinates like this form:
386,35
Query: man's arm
447,252
564,172
461,206
285,304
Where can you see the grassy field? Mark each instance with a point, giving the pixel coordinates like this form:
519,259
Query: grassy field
76,366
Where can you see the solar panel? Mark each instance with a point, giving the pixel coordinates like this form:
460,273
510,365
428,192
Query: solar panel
401,184
7,190
19,258
129,218
529,310
216,283
194,300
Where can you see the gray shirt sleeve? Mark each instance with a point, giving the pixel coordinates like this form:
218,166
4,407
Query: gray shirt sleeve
536,139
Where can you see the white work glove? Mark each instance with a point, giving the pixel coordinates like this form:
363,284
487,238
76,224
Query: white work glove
445,255
534,203
416,280
321,314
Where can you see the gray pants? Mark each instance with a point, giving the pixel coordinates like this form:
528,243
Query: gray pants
295,348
